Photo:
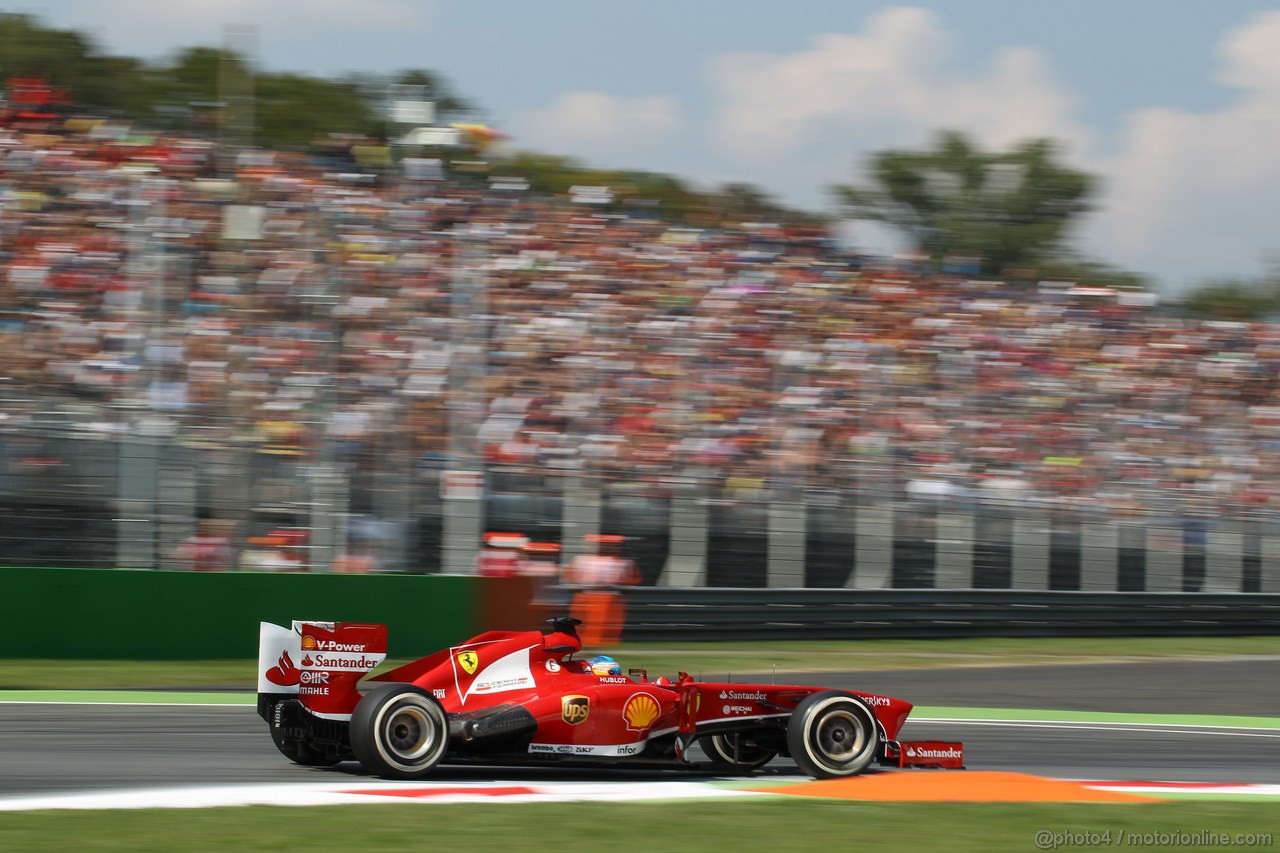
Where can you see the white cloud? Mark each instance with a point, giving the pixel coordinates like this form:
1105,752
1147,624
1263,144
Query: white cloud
1184,195
900,74
594,124
1200,192
1250,58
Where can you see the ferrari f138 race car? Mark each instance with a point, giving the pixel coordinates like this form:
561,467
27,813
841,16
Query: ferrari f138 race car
522,697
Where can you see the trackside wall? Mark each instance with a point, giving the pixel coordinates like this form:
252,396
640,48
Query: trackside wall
148,615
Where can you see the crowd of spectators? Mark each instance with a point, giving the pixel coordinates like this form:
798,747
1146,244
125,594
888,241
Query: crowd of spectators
302,305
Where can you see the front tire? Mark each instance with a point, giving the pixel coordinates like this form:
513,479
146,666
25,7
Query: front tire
399,732
832,735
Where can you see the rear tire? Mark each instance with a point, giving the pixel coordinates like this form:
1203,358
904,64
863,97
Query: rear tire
399,731
833,735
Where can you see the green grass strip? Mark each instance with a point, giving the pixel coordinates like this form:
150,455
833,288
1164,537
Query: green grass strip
711,659
127,697
768,825
1261,796
130,697
1116,717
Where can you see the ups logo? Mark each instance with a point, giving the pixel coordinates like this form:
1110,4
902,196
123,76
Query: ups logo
574,709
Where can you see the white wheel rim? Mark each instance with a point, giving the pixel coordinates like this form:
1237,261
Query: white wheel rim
407,734
840,737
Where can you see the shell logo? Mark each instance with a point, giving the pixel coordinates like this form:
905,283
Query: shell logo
640,711
308,641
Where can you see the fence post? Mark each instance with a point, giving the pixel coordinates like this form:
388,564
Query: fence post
1269,555
687,558
463,509
175,500
786,544
1099,556
1164,559
136,522
329,494
1031,539
1224,557
874,549
391,497
581,516
954,550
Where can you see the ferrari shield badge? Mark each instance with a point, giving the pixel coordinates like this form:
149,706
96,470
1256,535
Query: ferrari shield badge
468,661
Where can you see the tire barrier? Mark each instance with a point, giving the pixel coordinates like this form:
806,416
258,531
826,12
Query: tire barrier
838,614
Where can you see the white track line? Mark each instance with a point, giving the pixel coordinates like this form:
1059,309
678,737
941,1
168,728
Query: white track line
1149,728
1259,790
129,704
309,794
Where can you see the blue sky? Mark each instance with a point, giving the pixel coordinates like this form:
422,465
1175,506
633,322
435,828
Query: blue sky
1176,106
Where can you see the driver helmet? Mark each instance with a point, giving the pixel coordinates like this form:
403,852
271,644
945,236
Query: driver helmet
604,665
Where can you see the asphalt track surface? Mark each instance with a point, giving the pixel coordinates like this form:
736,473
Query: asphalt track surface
59,747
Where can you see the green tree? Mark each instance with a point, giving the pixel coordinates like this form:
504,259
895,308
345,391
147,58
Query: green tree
194,73
286,111
547,173
1232,300
676,200
186,91
1091,273
210,84
66,59
742,202
557,175
1010,209
293,110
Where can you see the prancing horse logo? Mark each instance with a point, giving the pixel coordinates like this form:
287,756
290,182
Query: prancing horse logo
469,661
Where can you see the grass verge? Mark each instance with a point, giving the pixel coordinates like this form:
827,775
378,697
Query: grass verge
760,825
864,655
707,658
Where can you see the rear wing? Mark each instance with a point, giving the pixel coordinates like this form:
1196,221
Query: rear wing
320,663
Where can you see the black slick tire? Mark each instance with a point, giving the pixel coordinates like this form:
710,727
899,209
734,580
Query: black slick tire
399,732
832,735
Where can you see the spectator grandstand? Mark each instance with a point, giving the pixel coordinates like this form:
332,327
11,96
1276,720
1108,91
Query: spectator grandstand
276,316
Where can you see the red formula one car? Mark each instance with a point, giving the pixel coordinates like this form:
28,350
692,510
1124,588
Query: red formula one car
522,697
